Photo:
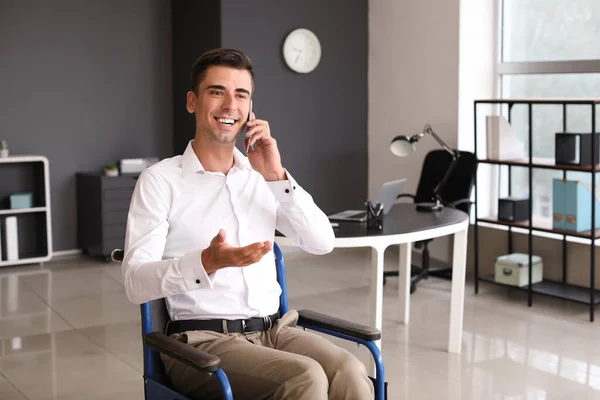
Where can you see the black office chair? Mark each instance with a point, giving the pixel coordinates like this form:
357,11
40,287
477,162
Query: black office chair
456,193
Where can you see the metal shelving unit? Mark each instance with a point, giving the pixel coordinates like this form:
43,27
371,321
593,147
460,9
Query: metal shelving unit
564,290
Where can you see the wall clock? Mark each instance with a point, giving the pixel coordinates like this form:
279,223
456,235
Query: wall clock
302,51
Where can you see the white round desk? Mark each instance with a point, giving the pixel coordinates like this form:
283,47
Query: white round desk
405,225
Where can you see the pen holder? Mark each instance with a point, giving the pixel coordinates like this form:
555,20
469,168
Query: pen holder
374,218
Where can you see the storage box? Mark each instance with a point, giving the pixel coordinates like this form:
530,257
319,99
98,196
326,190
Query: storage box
21,200
513,209
513,269
576,149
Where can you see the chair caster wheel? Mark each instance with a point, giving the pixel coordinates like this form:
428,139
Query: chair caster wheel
413,288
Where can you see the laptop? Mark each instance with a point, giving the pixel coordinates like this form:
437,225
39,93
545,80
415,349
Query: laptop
387,196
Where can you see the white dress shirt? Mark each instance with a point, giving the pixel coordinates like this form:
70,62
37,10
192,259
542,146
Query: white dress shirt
176,210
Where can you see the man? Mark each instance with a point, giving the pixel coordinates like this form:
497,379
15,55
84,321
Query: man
200,234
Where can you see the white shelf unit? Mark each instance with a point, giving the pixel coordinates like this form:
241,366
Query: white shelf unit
41,189
23,210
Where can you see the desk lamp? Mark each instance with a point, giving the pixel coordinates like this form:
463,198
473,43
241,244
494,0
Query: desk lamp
402,146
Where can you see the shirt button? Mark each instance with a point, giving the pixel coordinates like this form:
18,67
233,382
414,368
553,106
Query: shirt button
287,190
294,187
198,281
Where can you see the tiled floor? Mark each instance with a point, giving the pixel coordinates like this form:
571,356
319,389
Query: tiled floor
67,331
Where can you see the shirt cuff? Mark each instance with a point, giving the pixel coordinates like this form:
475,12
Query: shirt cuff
284,191
193,273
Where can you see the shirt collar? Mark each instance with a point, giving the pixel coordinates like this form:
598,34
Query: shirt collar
191,164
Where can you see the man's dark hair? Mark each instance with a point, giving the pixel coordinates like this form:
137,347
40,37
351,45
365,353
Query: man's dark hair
227,57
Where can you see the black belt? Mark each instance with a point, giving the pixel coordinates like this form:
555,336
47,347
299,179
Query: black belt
233,326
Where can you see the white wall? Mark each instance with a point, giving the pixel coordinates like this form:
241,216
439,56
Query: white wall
477,67
428,61
478,79
413,80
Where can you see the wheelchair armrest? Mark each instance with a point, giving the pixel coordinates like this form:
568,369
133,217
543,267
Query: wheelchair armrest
338,325
189,355
412,196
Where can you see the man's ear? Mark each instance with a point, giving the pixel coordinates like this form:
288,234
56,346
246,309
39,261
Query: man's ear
190,103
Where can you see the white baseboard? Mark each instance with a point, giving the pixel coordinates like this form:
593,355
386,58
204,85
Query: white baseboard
65,253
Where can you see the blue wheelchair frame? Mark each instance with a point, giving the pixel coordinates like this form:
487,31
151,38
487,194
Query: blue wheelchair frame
154,390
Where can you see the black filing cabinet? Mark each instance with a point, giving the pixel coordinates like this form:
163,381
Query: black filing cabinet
102,207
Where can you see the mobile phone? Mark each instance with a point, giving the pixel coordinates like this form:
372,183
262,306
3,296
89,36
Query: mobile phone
249,119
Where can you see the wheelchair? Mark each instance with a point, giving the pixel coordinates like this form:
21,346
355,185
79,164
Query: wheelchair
155,318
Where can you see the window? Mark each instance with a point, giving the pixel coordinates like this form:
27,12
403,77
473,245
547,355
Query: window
550,30
549,49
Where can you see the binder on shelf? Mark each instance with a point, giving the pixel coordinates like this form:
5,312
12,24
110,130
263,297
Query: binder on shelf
502,140
578,207
558,204
12,238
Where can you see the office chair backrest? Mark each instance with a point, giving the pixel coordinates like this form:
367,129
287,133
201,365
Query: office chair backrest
459,184
155,318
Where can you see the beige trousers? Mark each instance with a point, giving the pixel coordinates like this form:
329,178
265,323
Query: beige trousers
283,363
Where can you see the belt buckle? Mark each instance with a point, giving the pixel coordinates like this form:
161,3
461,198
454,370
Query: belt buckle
268,323
244,328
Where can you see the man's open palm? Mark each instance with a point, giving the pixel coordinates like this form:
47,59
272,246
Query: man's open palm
220,254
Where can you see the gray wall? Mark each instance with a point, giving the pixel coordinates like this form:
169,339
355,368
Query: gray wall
319,119
196,29
84,83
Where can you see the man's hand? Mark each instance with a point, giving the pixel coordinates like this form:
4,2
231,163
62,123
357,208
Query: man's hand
220,254
265,157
